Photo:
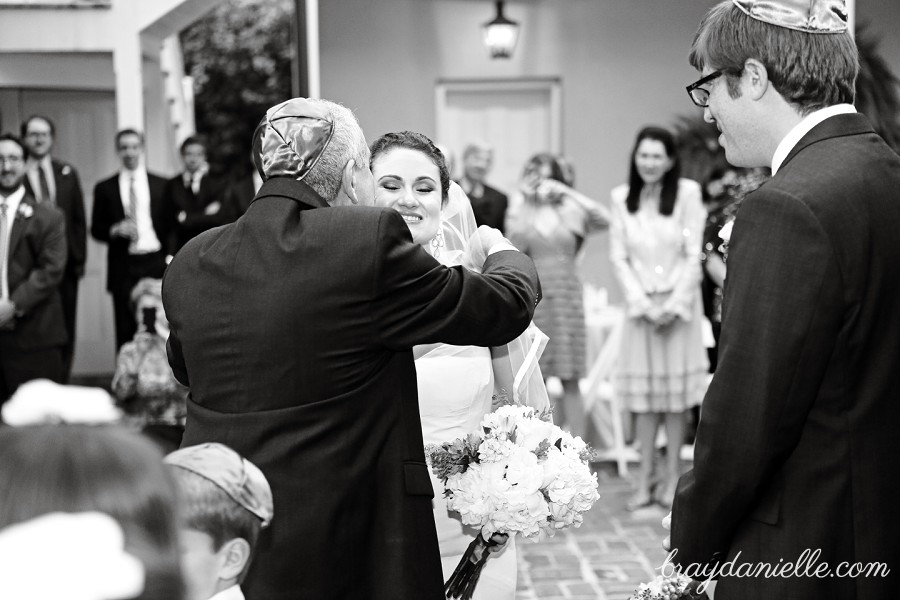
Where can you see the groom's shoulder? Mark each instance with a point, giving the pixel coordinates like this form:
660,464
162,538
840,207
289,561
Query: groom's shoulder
361,219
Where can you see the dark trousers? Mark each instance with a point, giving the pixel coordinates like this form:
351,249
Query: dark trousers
19,366
139,266
68,293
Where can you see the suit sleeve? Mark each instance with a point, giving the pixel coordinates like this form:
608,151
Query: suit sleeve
101,218
48,268
635,297
692,219
782,315
173,344
78,233
417,300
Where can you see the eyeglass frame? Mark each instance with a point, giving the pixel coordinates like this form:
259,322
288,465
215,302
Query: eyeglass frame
696,85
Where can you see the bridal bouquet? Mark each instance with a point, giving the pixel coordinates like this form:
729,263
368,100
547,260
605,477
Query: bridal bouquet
523,475
672,587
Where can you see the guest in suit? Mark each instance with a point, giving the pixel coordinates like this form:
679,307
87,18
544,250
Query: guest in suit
32,261
796,448
132,217
313,378
194,195
56,183
488,204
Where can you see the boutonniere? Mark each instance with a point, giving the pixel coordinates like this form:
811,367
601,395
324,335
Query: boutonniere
25,210
66,170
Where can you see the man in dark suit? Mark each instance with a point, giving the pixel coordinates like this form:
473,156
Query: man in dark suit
488,204
294,327
795,456
32,261
56,183
195,196
131,216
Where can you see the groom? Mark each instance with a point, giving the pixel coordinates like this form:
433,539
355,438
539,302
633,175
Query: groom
796,452
293,328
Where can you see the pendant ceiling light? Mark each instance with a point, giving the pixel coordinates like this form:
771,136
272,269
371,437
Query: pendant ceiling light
501,34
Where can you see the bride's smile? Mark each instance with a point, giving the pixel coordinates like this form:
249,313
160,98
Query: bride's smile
409,182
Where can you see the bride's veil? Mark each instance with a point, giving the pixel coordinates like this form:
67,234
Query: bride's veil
517,376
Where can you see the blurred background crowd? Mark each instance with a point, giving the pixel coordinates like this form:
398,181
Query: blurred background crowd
133,119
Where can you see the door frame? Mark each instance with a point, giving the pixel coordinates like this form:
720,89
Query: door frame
552,85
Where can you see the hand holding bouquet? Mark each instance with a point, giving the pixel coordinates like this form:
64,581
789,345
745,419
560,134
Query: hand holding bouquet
523,475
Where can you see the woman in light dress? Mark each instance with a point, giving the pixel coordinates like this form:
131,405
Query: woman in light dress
655,241
456,383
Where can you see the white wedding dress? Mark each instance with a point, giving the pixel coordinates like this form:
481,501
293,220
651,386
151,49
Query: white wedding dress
455,388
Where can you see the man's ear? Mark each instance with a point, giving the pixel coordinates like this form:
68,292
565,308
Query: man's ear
233,558
756,78
348,182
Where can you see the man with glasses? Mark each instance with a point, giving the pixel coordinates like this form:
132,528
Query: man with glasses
56,183
796,447
32,260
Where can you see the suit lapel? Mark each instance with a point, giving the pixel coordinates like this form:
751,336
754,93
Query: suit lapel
20,223
832,127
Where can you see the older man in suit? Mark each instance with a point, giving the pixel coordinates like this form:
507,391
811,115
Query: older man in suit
795,457
32,261
488,204
55,182
294,327
131,216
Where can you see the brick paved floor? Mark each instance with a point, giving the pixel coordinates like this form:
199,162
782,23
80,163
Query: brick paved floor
605,559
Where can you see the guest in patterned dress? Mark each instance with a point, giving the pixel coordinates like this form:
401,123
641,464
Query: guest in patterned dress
144,384
655,241
548,221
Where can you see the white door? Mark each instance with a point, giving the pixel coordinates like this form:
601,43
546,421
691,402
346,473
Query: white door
85,134
519,118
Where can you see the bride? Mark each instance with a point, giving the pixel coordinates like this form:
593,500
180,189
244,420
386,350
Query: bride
456,383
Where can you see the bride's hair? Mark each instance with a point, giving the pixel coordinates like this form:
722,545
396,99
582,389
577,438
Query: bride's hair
414,141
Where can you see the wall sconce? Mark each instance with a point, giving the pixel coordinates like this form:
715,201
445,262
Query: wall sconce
501,34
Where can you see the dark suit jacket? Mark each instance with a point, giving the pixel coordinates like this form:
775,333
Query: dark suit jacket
239,195
182,198
37,259
293,328
70,200
490,208
797,444
108,210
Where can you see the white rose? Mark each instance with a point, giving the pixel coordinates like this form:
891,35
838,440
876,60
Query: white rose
523,471
531,432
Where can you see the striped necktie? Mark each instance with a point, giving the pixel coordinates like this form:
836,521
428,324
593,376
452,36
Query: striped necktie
4,242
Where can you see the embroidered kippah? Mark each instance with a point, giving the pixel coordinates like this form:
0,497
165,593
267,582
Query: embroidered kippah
811,16
295,135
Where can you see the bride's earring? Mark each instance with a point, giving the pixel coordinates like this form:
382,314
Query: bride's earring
437,242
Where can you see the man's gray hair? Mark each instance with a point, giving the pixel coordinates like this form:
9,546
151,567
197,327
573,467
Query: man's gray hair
347,143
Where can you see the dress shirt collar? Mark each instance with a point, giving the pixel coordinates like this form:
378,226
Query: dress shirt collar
44,163
138,174
12,203
802,128
232,593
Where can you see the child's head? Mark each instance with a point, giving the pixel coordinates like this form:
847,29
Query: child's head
226,502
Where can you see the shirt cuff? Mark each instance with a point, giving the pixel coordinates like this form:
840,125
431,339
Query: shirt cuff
502,246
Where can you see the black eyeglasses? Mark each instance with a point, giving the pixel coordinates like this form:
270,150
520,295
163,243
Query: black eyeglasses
699,95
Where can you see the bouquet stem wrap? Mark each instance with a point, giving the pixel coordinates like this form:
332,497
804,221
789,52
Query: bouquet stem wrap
462,583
